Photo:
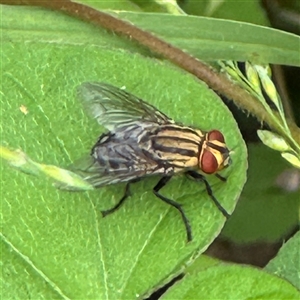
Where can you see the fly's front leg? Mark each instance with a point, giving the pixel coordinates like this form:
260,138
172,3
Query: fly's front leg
209,191
162,182
221,177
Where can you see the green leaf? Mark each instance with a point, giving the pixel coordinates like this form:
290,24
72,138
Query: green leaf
213,39
266,212
210,279
56,27
206,38
169,6
112,5
250,11
57,242
286,263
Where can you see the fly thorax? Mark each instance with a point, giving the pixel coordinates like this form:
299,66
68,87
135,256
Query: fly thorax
173,145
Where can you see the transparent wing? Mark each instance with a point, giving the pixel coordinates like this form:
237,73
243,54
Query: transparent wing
114,108
93,173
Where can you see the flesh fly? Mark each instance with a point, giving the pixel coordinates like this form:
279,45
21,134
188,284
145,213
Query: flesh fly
142,141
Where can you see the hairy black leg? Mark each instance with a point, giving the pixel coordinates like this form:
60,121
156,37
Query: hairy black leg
162,182
117,206
209,191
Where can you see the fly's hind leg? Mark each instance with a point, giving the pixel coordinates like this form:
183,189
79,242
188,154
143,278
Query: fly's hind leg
209,191
122,200
162,182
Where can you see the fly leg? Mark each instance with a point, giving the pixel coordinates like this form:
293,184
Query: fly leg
221,177
117,206
162,182
209,191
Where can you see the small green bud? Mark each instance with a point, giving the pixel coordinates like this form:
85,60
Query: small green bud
171,6
273,140
292,159
268,84
231,71
66,179
252,77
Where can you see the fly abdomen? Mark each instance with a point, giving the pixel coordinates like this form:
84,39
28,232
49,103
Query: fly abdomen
115,156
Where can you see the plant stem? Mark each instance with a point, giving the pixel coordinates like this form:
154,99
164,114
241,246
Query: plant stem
216,81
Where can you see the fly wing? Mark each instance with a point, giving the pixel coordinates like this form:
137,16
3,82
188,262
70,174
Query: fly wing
118,157
114,108
90,170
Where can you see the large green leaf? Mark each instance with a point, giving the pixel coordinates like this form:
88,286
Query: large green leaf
55,244
210,279
265,212
286,263
206,38
216,39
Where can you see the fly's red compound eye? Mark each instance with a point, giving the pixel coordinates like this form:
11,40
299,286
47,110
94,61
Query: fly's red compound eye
209,164
216,135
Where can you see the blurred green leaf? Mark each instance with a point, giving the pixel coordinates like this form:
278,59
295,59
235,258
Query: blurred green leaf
265,212
113,5
210,279
57,242
169,6
287,262
249,11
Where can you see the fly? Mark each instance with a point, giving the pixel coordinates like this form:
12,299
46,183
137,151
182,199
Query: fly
142,141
